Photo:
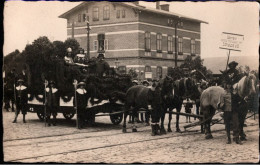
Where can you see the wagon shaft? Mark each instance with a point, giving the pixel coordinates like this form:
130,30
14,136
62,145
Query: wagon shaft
185,114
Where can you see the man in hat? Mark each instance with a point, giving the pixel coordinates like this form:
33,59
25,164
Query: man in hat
232,76
52,102
82,102
101,65
21,100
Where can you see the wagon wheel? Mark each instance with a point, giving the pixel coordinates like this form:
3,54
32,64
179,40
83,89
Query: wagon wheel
68,115
116,119
41,115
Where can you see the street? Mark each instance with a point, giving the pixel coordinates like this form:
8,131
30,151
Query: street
33,142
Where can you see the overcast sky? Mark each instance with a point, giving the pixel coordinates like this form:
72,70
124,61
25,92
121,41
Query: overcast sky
26,21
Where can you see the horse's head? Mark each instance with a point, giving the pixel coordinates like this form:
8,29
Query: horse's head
191,88
251,82
166,85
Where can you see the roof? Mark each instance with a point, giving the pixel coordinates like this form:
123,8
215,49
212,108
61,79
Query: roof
136,6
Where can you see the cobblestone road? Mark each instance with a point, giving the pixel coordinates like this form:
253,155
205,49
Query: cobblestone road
105,142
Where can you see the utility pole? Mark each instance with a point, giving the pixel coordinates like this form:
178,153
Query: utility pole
88,51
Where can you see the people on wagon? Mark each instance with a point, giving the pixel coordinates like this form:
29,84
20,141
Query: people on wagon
68,58
81,104
21,100
101,65
52,103
80,58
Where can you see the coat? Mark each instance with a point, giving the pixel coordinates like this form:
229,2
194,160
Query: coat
52,97
82,98
21,95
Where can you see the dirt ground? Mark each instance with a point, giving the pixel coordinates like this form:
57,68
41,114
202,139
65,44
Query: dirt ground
33,142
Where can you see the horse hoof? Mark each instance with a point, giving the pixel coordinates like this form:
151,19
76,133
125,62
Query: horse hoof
169,130
178,130
243,139
162,131
229,141
147,124
209,137
124,130
134,130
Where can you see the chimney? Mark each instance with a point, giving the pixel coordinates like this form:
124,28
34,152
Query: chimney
158,5
136,2
165,7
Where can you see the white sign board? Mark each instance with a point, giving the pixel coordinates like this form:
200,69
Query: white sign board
231,41
148,75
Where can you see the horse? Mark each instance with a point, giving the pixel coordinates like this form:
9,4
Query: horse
140,97
213,98
184,87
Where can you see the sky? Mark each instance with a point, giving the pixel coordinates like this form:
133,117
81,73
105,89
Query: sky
26,21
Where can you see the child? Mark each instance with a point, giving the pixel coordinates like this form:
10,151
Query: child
188,107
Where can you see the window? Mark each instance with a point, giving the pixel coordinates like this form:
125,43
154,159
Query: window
170,44
106,44
95,45
148,69
84,17
147,53
106,13
122,69
95,14
147,41
159,72
193,47
123,13
180,45
118,14
101,42
79,18
159,43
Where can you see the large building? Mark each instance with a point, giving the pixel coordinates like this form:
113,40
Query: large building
135,36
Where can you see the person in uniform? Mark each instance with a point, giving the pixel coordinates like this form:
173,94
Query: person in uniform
101,65
232,76
82,102
52,102
21,100
11,78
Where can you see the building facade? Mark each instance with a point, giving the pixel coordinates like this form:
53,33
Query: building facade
135,37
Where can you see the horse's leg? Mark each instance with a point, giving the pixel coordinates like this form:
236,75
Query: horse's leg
125,116
177,119
170,119
227,119
162,129
202,129
197,109
243,109
147,117
134,116
207,120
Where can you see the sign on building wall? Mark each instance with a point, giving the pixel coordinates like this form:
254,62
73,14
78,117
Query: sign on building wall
231,41
148,75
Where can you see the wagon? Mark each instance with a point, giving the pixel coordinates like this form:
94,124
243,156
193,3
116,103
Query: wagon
105,108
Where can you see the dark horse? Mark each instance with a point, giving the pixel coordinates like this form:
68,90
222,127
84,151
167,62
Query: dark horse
185,87
213,98
140,97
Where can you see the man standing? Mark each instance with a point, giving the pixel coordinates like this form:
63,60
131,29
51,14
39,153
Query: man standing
21,100
101,65
231,101
52,102
10,82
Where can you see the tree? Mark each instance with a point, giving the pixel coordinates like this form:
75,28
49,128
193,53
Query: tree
59,49
10,60
73,44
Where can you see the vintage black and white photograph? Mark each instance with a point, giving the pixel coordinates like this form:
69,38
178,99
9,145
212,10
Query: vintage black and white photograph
130,82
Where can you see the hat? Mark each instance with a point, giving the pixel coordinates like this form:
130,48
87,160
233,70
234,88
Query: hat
234,63
81,83
100,55
20,80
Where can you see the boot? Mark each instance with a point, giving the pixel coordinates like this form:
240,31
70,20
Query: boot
229,141
54,121
157,128
153,129
24,119
15,119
